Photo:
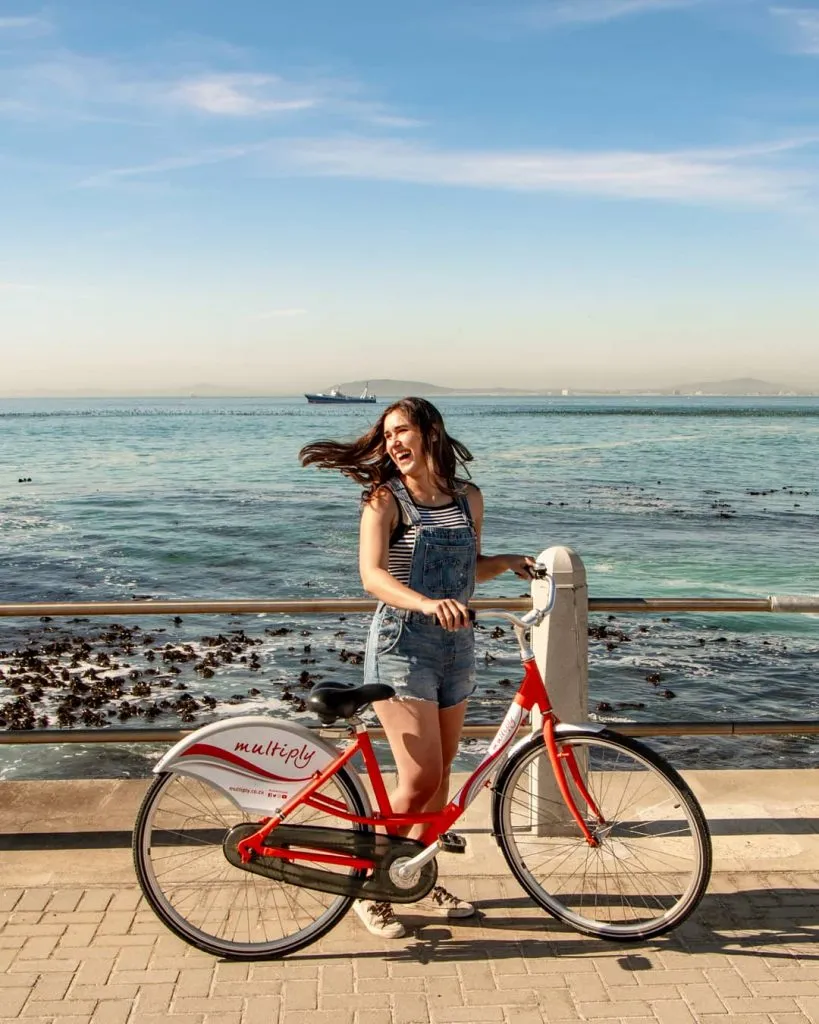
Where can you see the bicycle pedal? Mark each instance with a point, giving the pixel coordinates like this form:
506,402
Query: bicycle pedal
452,842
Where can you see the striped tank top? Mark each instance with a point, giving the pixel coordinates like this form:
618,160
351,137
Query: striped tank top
402,540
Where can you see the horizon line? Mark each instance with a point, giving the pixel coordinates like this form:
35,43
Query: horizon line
658,392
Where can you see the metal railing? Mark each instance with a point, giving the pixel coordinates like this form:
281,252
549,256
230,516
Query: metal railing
651,605
762,727
658,605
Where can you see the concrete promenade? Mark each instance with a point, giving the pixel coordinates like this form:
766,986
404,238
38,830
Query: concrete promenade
78,945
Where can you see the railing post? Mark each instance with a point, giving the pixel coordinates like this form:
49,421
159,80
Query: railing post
560,644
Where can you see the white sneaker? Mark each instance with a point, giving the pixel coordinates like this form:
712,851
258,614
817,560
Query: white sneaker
444,904
379,919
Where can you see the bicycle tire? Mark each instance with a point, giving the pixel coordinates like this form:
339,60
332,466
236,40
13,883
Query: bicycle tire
653,862
205,900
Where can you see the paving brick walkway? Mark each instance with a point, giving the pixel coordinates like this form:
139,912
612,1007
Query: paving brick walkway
97,955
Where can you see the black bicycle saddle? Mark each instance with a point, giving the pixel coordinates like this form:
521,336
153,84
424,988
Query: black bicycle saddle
332,700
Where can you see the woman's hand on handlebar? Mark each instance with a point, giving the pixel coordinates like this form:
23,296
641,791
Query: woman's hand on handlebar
522,566
451,614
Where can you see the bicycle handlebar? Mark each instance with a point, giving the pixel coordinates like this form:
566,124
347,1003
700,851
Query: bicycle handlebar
534,617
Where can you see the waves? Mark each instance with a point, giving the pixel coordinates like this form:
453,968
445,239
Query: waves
657,407
137,413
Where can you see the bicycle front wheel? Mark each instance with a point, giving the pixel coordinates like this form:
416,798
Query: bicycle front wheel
652,860
209,902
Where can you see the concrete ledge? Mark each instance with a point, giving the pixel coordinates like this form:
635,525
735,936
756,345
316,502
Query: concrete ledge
56,832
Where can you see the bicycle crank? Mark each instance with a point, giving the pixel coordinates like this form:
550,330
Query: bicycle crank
388,853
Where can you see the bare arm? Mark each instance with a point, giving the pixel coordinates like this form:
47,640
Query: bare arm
379,517
490,566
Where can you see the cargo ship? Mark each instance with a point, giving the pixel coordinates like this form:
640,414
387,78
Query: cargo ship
335,396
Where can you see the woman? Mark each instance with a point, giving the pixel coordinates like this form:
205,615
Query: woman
420,555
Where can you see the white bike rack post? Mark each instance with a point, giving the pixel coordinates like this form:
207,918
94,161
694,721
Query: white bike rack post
561,649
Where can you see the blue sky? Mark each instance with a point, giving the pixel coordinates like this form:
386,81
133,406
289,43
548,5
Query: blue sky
273,196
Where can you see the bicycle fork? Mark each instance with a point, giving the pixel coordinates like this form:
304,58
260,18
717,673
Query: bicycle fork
532,693
560,761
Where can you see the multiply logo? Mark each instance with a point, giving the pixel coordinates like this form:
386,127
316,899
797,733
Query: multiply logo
299,757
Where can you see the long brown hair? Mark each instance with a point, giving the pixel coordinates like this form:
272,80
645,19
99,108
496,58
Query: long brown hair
365,460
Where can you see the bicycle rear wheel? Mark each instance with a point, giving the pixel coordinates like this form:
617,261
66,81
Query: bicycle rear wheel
653,861
203,898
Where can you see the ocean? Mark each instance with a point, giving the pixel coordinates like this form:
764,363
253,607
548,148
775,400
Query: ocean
112,499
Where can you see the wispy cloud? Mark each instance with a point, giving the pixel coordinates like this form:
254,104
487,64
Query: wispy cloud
754,175
257,95
72,84
204,79
564,12
376,115
802,26
770,174
26,25
66,85
240,95
188,161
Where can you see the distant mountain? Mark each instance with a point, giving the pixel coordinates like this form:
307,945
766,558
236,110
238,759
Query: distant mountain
397,388
391,388
737,386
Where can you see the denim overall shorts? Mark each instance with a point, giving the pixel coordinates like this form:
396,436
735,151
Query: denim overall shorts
420,660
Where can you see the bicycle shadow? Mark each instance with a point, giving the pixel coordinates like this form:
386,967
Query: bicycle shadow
776,923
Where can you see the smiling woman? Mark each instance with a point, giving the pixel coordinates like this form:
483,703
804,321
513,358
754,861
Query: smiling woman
420,555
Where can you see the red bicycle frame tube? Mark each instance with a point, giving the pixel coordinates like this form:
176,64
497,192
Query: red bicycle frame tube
531,693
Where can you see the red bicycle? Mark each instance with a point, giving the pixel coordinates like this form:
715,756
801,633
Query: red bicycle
257,834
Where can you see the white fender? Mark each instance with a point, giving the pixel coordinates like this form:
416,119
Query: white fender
563,729
258,762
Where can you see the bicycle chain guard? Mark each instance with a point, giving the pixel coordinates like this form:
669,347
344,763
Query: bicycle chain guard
382,849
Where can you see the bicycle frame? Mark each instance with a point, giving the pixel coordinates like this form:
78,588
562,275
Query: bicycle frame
531,693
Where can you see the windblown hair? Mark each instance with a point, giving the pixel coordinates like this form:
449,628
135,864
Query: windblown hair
365,460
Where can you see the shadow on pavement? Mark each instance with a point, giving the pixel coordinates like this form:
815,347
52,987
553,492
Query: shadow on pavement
776,923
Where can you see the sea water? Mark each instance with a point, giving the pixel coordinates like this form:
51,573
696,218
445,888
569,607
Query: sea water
114,499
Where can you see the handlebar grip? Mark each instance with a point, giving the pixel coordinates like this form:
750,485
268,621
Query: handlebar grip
432,620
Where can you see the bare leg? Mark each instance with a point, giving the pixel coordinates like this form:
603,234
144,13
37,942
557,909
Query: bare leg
424,741
440,901
451,723
414,732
